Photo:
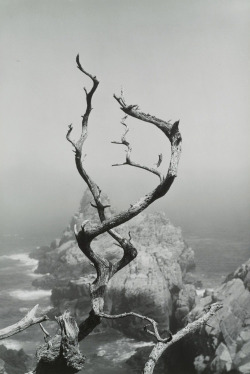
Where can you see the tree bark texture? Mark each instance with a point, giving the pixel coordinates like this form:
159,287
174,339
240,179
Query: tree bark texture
29,320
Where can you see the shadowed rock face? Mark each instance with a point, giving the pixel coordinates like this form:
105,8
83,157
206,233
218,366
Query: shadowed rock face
224,345
2,367
149,285
13,361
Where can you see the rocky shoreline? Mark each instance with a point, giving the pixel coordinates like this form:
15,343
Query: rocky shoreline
152,284
158,283
13,361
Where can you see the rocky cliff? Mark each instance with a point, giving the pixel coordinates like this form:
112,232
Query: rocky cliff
223,346
152,284
158,284
13,361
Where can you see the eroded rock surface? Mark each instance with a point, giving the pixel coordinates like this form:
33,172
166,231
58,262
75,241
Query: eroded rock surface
225,341
13,361
149,285
158,283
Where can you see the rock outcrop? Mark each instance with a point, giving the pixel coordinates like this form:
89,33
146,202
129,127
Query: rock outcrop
150,284
158,283
2,367
13,361
224,345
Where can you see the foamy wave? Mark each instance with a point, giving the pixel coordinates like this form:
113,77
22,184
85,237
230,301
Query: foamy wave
24,310
23,258
11,344
35,275
30,295
121,349
200,292
9,235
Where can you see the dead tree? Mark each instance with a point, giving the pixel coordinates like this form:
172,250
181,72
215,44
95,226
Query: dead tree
29,320
61,354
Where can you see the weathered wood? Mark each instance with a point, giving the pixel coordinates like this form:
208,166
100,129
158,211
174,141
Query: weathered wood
191,328
87,232
29,320
128,161
153,323
61,353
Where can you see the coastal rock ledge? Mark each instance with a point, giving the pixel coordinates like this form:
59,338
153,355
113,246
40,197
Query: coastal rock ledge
151,285
223,346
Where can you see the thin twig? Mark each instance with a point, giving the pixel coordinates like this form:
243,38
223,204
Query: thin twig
129,162
145,318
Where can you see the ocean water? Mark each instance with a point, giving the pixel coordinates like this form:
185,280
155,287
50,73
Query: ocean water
17,296
105,353
216,256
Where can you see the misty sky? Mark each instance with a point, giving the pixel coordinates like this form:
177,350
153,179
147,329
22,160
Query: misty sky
179,59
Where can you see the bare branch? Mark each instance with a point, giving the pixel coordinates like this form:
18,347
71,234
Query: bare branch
191,328
130,237
125,142
88,97
133,110
145,318
84,71
104,268
46,334
173,134
159,160
108,224
29,320
104,206
69,134
94,188
124,163
79,144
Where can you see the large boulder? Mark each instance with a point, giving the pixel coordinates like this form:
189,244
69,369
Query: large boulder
151,283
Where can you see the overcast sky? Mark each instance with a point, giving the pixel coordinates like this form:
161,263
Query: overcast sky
179,59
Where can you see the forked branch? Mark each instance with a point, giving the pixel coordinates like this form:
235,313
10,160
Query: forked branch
170,130
29,320
128,161
61,353
104,268
164,343
87,232
154,324
88,94
173,134
84,133
191,328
